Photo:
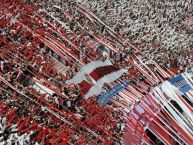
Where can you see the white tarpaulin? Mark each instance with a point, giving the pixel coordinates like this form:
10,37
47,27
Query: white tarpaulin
87,69
97,88
167,92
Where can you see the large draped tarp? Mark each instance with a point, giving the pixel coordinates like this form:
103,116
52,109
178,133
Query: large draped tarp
87,69
105,97
96,89
165,113
183,82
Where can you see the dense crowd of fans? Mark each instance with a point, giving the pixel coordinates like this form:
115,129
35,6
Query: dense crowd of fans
158,28
29,36
59,115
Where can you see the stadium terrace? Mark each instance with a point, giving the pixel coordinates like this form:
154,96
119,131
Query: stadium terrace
100,72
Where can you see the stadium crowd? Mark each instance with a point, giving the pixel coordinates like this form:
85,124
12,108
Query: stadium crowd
30,34
159,28
26,61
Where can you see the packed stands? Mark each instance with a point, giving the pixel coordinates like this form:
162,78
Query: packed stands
71,73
